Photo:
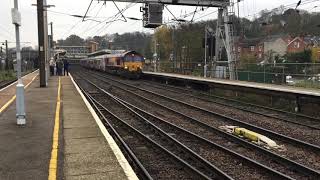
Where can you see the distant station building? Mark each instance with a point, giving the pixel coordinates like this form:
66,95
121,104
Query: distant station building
78,52
105,51
74,51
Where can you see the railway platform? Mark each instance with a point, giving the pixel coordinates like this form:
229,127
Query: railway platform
63,137
244,84
298,99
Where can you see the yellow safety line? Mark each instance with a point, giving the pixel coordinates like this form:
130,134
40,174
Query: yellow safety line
55,141
14,97
7,104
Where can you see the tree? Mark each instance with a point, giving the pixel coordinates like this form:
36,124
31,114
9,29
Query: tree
300,57
72,40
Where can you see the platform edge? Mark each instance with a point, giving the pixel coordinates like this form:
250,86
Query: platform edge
16,81
130,174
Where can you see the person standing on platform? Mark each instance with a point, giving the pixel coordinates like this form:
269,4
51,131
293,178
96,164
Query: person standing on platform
65,67
59,68
52,65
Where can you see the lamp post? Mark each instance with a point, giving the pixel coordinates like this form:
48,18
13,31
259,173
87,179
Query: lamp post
20,115
208,31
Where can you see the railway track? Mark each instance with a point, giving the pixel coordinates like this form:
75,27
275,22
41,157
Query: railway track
294,118
193,141
268,111
293,158
299,131
150,159
183,101
3,84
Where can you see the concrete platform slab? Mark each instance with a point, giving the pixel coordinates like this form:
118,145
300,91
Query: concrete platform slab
84,152
87,154
25,151
97,176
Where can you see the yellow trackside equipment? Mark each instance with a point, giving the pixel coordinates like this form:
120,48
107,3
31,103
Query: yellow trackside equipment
252,136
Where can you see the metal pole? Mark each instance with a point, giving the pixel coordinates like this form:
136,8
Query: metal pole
0,58
20,106
51,28
173,49
7,58
219,42
51,42
51,54
42,65
155,54
205,53
158,60
46,41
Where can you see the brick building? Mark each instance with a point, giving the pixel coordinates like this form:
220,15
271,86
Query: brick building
249,48
297,45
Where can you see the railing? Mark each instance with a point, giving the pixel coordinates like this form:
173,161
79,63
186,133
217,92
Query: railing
293,74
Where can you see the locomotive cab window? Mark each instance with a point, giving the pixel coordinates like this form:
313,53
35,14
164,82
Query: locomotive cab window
133,58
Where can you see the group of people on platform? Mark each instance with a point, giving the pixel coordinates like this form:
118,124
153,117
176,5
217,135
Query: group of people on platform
60,65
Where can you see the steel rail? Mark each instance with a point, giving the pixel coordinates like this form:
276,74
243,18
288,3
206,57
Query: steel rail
237,107
250,104
249,161
138,167
4,84
239,122
211,143
220,174
297,166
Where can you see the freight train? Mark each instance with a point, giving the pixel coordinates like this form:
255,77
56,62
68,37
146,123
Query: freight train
127,64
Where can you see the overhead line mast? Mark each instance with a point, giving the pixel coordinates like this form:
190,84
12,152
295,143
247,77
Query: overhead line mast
152,18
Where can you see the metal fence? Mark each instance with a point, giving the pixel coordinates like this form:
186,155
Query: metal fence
293,74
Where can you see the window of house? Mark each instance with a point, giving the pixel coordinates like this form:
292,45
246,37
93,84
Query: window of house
260,48
296,44
252,48
233,49
239,49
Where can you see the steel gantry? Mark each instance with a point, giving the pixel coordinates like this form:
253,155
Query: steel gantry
224,31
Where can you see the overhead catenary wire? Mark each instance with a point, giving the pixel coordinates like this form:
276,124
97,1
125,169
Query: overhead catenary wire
292,5
109,21
195,15
87,28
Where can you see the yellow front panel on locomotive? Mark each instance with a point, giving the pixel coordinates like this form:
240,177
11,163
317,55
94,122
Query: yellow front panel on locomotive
133,66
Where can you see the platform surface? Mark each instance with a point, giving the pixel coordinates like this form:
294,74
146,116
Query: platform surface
272,87
7,93
83,151
87,154
25,151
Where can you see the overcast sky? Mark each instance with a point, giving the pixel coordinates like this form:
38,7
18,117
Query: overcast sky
65,25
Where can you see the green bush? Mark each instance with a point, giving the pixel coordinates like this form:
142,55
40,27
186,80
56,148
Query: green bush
7,75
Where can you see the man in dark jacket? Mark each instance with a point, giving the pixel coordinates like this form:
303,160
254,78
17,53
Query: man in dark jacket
65,67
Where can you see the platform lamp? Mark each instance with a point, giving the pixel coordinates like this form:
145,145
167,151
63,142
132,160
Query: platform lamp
20,106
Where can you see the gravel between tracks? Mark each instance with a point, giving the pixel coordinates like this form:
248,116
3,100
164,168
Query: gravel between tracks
210,135
226,162
286,128
294,153
157,163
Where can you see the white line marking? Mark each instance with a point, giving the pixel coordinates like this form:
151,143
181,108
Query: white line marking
131,175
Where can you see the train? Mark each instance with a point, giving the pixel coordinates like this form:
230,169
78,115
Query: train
126,64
